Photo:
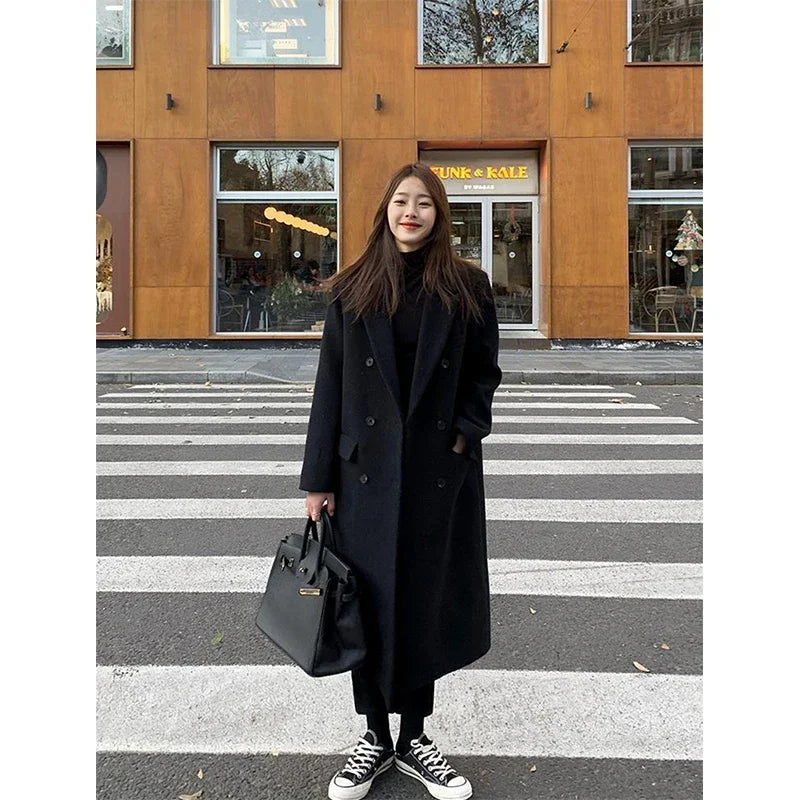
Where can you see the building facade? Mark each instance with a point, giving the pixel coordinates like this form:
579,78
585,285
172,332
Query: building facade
243,145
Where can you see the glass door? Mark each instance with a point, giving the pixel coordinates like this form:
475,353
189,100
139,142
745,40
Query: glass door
500,235
512,261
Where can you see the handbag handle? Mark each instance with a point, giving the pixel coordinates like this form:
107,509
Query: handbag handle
327,534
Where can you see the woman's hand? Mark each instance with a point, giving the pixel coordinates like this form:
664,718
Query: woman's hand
461,443
315,501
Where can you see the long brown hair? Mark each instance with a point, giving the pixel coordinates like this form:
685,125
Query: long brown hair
373,281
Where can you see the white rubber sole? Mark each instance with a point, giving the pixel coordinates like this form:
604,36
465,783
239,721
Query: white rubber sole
355,792
439,792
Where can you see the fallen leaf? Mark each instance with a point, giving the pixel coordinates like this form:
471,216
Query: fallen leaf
200,774
533,768
190,796
532,610
640,667
617,400
217,639
664,646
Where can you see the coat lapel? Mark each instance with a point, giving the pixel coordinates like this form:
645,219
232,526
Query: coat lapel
379,330
433,332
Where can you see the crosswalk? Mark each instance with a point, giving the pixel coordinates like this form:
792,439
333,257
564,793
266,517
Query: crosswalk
594,531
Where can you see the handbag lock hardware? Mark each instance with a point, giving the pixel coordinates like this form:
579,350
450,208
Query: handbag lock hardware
286,562
309,592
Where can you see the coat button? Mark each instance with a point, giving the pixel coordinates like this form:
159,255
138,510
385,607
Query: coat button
441,483
363,479
445,363
441,425
370,421
370,361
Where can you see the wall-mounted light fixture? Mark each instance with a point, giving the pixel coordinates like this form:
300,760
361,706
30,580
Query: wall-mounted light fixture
170,102
587,101
378,103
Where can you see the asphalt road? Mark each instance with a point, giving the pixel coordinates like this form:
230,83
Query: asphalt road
600,538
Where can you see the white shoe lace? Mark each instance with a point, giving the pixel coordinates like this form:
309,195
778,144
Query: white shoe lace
362,759
431,758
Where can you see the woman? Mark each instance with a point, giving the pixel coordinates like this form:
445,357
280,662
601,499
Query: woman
403,396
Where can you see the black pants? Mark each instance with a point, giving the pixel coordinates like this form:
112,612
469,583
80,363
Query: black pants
369,700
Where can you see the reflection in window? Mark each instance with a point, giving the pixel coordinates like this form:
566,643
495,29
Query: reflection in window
666,30
480,31
667,167
276,169
278,31
665,266
271,257
113,32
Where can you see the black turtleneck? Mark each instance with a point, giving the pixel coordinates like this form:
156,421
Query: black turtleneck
406,322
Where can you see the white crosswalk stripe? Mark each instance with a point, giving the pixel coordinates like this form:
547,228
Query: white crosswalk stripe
500,419
506,576
174,699
490,467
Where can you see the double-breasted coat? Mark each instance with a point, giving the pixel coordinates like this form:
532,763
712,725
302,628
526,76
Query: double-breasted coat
410,511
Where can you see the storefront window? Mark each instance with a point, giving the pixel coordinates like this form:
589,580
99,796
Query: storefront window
277,32
113,33
665,30
480,32
276,234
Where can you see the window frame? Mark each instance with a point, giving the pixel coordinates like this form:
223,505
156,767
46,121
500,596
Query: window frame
544,49
215,10
653,197
629,48
217,195
131,22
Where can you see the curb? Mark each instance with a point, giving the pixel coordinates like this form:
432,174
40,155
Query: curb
534,377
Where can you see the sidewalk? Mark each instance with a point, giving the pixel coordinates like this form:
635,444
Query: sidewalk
148,364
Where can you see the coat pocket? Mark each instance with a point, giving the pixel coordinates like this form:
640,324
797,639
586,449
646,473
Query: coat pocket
347,447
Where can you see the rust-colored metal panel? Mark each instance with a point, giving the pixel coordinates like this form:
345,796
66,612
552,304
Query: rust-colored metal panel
368,164
589,312
448,103
515,102
241,104
545,214
589,212
172,312
697,101
171,208
114,103
593,62
308,104
171,49
662,102
378,55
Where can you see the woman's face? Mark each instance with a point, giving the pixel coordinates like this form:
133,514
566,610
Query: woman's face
411,214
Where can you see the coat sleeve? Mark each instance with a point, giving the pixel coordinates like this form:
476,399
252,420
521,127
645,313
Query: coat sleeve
480,373
320,470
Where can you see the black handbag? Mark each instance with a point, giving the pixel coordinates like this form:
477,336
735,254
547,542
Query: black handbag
311,608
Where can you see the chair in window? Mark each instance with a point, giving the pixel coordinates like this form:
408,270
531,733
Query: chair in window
228,311
663,300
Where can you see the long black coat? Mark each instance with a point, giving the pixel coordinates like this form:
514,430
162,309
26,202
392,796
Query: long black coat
411,512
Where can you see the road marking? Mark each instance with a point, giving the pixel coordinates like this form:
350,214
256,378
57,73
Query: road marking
492,439
645,580
293,394
136,388
524,509
490,467
270,404
263,709
498,418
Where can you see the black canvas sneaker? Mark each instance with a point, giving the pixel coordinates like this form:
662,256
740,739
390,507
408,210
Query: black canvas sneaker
425,762
369,759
